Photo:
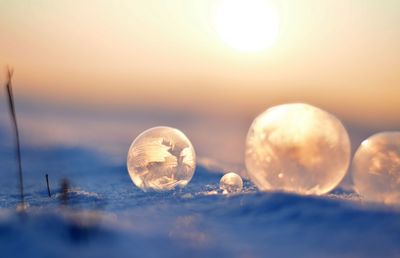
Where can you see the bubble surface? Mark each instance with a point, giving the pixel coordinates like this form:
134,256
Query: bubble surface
297,148
231,183
376,168
161,159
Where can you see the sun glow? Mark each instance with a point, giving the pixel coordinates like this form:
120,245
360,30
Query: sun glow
247,25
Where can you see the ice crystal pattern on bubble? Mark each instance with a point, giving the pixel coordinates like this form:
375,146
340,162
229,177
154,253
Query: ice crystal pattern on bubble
161,158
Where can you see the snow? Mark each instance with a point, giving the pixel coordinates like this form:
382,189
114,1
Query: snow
107,216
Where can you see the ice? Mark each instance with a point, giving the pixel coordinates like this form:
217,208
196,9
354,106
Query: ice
376,168
297,148
231,183
160,159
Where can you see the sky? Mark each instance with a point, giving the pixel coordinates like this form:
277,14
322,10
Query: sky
110,65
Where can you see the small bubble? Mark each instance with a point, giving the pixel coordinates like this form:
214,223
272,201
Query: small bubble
231,183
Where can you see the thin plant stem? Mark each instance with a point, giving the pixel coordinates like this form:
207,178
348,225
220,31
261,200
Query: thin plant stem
16,132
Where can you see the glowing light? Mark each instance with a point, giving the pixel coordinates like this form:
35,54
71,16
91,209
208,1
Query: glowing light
247,25
297,148
231,183
161,158
376,168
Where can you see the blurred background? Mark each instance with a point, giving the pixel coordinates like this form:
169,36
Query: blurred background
94,74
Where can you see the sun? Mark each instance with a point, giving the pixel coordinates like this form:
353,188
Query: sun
247,25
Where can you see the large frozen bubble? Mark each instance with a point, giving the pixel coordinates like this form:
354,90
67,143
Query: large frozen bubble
297,148
161,159
376,168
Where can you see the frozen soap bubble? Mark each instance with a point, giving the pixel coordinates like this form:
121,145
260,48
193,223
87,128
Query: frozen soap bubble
376,168
297,148
161,159
231,183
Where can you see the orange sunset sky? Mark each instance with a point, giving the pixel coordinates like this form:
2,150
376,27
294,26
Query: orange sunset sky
341,55
95,74
118,56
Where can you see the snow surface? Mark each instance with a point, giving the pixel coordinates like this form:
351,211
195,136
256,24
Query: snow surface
107,216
